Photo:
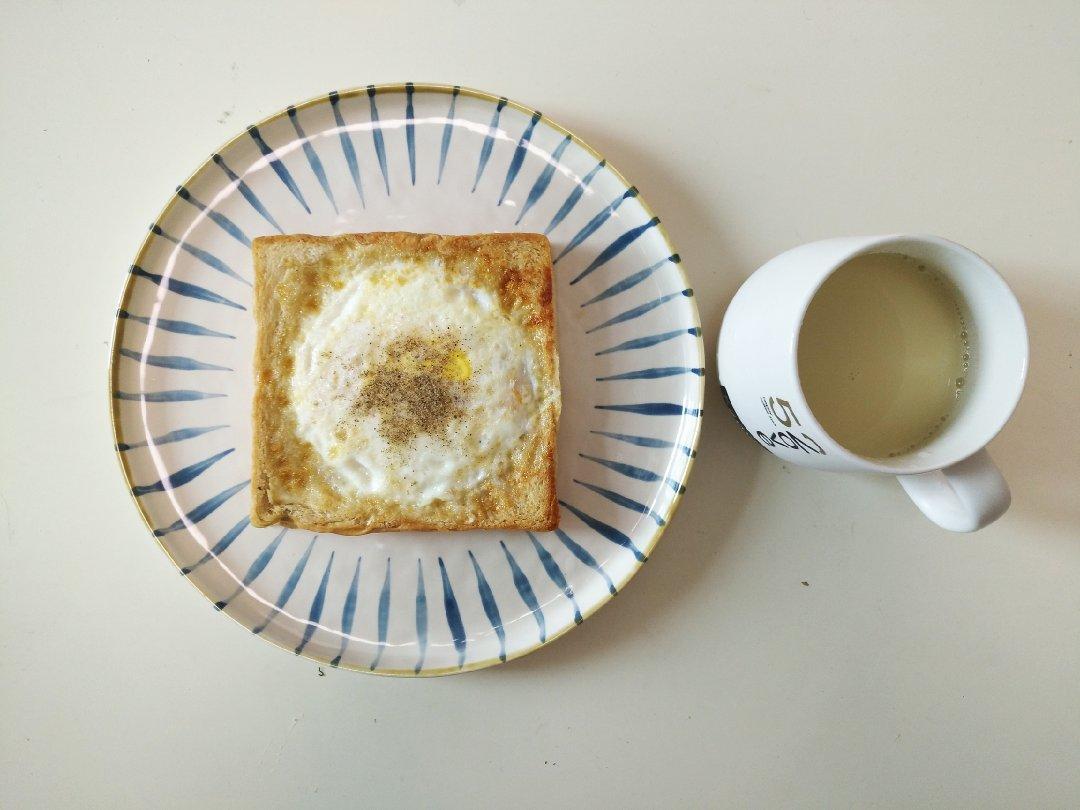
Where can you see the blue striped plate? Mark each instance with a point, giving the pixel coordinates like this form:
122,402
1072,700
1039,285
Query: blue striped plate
419,158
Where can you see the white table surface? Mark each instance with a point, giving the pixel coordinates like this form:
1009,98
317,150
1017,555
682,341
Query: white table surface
798,639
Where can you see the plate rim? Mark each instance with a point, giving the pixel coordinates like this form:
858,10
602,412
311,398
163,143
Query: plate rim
402,87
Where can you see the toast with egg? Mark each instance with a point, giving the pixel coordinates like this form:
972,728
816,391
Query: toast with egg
404,382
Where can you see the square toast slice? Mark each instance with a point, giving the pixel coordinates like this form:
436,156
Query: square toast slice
404,382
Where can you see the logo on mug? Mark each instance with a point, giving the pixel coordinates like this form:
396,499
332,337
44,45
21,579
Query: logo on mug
786,438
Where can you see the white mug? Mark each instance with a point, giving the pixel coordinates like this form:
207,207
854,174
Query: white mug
952,478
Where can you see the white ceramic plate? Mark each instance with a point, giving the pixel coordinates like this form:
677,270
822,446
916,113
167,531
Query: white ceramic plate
418,158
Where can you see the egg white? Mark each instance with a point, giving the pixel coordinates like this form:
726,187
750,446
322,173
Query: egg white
347,338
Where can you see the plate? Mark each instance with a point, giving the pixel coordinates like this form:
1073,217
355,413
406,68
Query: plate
426,158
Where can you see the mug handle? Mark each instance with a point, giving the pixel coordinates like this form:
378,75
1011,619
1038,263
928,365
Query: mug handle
964,497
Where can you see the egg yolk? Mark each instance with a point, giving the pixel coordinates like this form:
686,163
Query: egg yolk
457,366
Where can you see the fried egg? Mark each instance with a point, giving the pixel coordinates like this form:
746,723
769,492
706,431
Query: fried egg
411,386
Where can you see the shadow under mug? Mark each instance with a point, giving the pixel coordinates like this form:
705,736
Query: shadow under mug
951,478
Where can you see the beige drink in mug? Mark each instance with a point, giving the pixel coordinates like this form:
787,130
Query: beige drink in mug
892,354
885,350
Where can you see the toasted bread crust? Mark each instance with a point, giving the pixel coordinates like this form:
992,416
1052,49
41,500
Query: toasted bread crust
289,487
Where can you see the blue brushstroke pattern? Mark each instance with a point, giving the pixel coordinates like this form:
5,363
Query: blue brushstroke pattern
525,591
519,157
312,157
256,568
383,616
593,224
573,198
204,256
650,340
315,613
491,607
653,373
347,147
219,219
377,137
652,409
632,280
637,473
246,192
622,500
168,438
489,142
220,546
165,396
638,311
203,510
421,615
279,168
447,134
177,327
645,441
181,477
290,586
544,180
585,557
171,361
453,615
184,288
607,532
348,613
410,131
555,574
620,244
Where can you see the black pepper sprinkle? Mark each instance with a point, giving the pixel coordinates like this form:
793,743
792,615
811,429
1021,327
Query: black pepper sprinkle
411,394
